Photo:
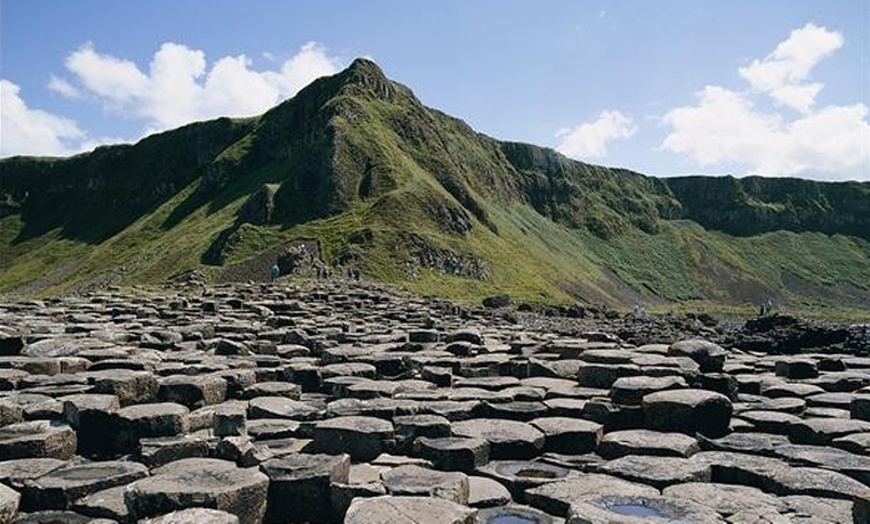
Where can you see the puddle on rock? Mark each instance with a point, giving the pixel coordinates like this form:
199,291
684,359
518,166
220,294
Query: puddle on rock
512,519
634,510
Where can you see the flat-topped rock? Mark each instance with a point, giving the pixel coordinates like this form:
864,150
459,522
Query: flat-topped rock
569,435
299,486
657,471
133,423
486,493
645,442
822,431
61,487
417,481
507,438
282,407
453,453
194,516
631,390
709,356
556,498
408,510
37,439
688,411
725,499
363,438
622,509
192,391
200,482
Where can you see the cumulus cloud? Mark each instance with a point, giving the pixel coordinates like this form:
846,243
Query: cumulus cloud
589,139
725,127
179,86
26,131
781,72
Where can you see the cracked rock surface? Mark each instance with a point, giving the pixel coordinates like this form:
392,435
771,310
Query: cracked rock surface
330,401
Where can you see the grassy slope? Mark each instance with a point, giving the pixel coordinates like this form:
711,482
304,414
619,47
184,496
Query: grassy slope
421,162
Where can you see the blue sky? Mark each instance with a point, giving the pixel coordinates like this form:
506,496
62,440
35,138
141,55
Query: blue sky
779,88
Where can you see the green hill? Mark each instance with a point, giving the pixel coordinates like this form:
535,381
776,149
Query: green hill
417,198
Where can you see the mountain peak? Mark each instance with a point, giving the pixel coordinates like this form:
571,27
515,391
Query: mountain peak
364,73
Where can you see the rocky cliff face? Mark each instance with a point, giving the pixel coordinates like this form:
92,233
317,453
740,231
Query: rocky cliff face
753,205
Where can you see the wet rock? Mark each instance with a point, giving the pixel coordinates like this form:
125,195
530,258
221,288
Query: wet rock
622,509
557,497
408,510
299,486
520,475
688,411
210,483
516,513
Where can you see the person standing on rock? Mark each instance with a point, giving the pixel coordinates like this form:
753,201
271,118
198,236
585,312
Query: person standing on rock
274,272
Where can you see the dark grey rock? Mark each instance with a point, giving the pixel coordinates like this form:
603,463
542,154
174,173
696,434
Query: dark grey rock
299,486
689,411
196,482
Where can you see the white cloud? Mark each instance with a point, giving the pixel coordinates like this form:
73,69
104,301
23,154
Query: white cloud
63,88
26,131
726,128
179,87
781,72
589,139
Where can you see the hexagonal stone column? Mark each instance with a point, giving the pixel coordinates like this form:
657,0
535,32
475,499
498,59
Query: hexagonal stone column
300,486
688,411
37,439
58,489
200,482
408,510
363,438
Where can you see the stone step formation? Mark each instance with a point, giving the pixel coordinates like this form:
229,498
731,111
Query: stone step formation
350,402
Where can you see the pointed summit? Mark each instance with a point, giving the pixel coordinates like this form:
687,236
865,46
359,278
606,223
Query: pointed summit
367,75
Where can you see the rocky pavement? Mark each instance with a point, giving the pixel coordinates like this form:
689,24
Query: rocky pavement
328,402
